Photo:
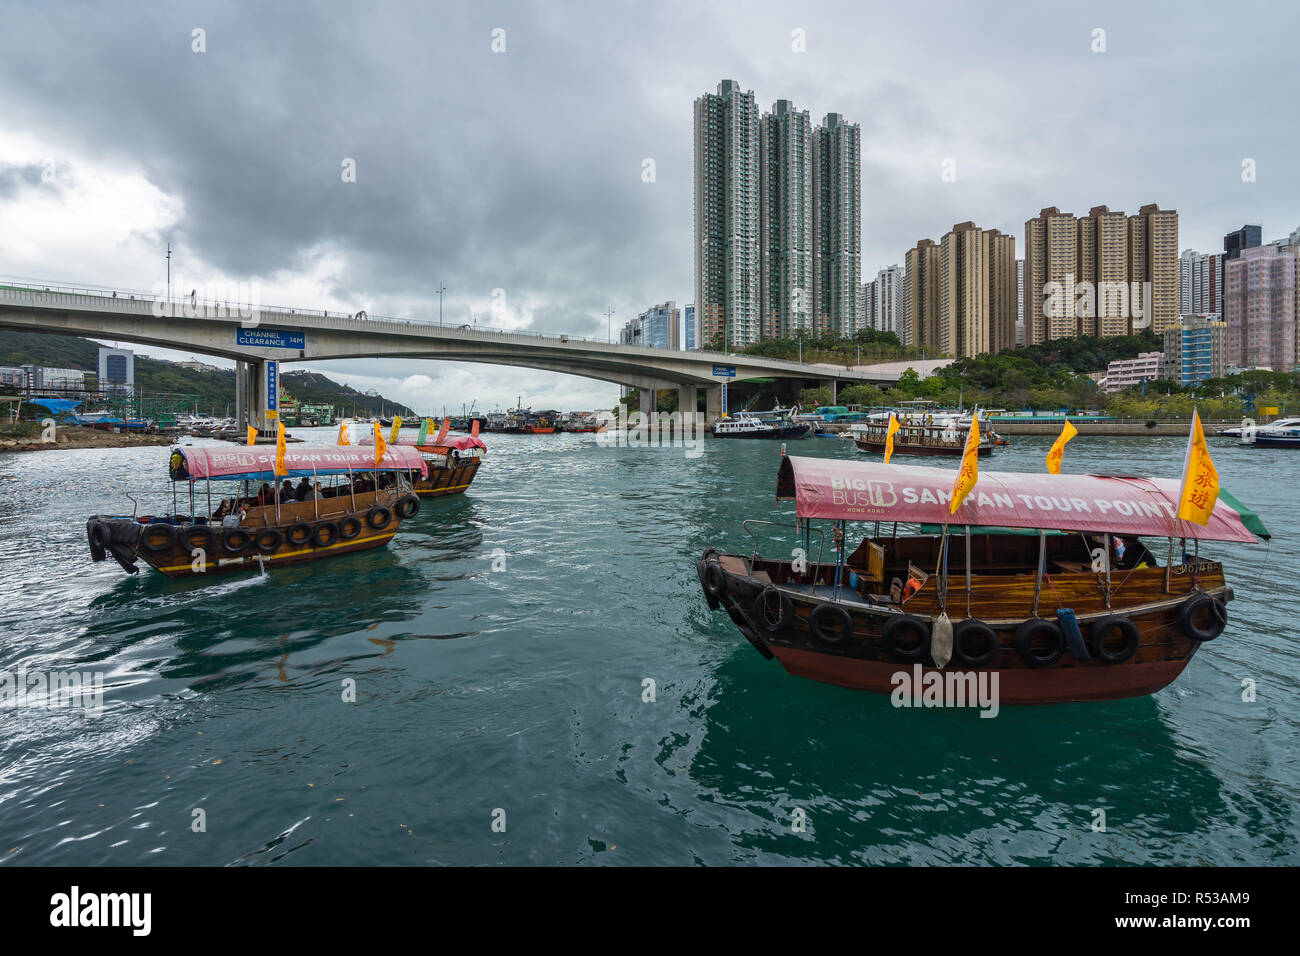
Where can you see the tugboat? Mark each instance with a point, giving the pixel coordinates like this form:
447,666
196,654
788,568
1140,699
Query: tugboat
359,505
1046,579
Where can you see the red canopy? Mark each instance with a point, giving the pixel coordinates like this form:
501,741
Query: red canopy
258,461
871,491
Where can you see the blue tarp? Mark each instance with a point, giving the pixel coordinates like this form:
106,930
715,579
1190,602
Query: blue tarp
57,405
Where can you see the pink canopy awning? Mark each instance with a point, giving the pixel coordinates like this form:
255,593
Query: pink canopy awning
459,442
872,491
258,461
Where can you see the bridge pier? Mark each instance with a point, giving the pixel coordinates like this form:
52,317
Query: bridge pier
647,400
688,398
712,403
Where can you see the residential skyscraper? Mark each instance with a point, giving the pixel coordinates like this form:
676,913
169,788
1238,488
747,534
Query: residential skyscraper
976,291
1259,308
921,296
1159,266
786,219
657,327
1200,283
867,306
887,291
1020,302
726,199
690,330
1051,256
837,223
1247,237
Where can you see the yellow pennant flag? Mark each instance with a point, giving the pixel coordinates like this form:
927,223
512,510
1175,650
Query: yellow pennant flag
970,471
1200,478
252,435
343,434
381,446
280,468
397,427
1057,453
889,436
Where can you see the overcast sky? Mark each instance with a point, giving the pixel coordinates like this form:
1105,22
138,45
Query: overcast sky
521,170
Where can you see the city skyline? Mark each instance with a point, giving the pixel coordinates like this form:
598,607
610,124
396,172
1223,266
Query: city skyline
234,153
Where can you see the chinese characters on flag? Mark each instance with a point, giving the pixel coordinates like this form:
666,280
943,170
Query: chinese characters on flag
280,468
970,472
1200,478
381,446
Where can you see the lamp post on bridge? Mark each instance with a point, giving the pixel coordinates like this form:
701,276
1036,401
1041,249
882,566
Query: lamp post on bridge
169,275
609,318
441,289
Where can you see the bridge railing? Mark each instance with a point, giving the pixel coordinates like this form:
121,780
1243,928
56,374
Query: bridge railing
27,291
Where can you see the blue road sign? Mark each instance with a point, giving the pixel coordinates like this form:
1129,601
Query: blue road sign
724,371
272,386
270,338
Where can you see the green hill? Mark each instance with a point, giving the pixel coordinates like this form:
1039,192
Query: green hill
214,390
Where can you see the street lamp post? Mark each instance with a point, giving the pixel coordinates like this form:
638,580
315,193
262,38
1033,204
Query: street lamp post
609,316
169,274
441,289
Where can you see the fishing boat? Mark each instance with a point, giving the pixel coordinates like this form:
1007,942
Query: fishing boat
1043,581
775,424
451,462
931,434
359,506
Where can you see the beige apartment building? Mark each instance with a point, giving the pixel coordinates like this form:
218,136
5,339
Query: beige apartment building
921,296
1100,266
960,295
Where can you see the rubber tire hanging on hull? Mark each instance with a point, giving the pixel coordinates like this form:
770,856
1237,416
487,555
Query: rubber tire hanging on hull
277,539
1097,638
204,531
298,528
320,541
714,580
963,631
408,507
896,627
1035,627
714,603
834,631
154,547
349,527
235,540
1194,606
379,517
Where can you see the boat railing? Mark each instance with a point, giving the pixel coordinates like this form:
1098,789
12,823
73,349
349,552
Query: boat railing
821,535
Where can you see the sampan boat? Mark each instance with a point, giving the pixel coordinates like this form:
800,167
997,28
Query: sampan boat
1043,579
451,462
358,506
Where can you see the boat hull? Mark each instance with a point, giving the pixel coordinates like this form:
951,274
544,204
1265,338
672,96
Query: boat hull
192,553
865,660
870,445
789,431
1267,441
450,480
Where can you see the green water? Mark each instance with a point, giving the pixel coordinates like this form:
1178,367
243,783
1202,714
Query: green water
521,690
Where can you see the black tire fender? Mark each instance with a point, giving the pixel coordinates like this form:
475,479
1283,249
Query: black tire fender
830,624
204,531
714,579
714,603
148,539
1038,627
235,540
320,540
784,607
349,527
268,539
379,517
896,627
1218,616
298,533
408,507
1097,638
968,632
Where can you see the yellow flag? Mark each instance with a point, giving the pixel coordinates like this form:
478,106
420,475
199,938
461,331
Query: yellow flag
1058,449
280,468
343,434
889,436
1200,478
397,427
970,471
381,446
252,435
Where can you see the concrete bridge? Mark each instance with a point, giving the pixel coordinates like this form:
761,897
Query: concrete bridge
256,338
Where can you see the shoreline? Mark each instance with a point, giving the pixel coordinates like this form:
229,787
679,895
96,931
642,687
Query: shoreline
73,437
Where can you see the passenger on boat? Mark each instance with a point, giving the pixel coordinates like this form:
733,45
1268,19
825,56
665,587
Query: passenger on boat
1133,554
235,519
304,492
286,491
265,495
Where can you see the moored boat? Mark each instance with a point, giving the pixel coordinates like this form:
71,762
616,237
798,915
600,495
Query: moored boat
922,435
1041,580
451,462
355,505
760,425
